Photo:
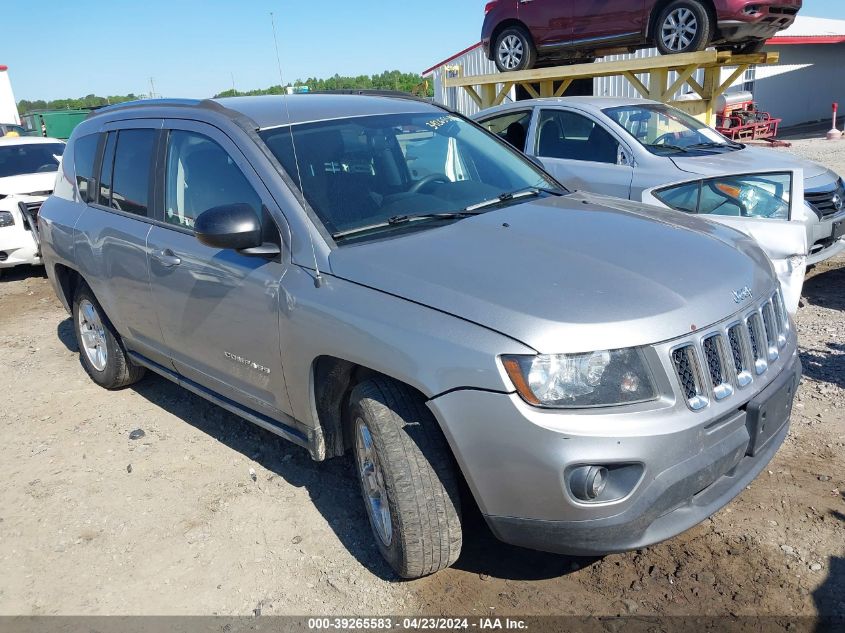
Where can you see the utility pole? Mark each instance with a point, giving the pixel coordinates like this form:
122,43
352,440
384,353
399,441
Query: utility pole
152,89
234,90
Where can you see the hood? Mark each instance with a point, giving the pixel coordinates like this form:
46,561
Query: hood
571,274
749,159
28,183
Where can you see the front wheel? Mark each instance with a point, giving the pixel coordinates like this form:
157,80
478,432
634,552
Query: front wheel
514,50
407,478
100,349
684,26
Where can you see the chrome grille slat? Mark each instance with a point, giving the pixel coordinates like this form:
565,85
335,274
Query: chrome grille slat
689,375
714,363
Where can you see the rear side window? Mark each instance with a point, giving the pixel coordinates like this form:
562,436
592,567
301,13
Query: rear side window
200,175
104,197
84,154
125,176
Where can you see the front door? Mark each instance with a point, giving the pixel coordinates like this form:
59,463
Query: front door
218,309
582,154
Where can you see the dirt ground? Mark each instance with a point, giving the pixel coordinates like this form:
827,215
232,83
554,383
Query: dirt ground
93,522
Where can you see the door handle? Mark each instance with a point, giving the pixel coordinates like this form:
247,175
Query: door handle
167,258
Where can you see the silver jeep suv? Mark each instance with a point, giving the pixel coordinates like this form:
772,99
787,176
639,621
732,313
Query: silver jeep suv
378,276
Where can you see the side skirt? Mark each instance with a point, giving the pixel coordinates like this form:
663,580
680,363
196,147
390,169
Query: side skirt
290,429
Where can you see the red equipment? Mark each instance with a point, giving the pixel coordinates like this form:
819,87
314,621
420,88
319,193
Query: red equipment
739,119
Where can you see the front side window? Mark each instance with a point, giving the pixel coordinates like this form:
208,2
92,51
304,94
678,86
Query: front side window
30,158
764,196
201,175
84,154
511,127
372,170
571,136
664,130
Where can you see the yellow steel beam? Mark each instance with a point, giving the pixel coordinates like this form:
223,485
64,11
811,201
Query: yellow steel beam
736,74
534,94
474,96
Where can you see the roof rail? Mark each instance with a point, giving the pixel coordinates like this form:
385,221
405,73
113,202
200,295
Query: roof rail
149,103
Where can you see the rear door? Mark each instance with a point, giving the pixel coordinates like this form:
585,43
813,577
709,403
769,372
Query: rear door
112,232
550,21
761,205
218,309
594,23
582,154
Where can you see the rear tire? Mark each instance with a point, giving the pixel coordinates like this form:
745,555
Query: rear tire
514,50
100,348
684,26
407,478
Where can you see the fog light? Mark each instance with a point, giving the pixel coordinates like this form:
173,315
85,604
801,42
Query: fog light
3,256
588,482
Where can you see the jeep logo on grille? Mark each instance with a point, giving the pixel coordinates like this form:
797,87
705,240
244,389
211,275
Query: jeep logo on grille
743,294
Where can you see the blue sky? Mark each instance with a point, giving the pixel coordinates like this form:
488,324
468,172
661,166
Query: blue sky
193,48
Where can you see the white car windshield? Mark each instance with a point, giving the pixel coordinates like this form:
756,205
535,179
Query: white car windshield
29,158
665,130
364,176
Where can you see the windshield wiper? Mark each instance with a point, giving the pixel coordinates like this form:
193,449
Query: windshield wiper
397,220
676,148
715,145
527,192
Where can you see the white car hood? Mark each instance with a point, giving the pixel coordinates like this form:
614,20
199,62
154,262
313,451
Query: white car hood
750,159
41,183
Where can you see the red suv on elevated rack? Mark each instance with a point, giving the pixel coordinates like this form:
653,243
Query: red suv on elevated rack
517,34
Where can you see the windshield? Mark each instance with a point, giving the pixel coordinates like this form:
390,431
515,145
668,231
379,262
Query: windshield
664,130
360,174
29,158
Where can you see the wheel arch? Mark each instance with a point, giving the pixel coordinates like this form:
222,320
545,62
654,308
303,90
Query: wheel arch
332,382
68,281
504,24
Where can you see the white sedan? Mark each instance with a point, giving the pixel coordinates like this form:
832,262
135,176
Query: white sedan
28,167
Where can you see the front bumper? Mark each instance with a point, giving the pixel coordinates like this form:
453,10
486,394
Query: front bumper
514,462
18,247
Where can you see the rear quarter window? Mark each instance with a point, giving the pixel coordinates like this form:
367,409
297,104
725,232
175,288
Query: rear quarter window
84,156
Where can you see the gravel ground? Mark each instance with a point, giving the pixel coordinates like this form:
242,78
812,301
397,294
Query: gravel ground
206,514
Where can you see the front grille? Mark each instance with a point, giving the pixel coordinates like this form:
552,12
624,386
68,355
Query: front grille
783,10
714,366
827,203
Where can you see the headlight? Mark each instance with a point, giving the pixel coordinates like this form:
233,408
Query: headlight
6,219
596,379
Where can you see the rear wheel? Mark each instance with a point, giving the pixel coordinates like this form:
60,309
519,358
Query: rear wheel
514,50
100,347
407,478
684,26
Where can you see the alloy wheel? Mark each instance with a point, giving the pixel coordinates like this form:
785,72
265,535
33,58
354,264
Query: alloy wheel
511,52
679,29
372,483
93,335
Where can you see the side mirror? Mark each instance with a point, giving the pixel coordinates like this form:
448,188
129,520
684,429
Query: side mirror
231,226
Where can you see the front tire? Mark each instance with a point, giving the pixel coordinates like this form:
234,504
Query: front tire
100,348
684,26
407,478
514,50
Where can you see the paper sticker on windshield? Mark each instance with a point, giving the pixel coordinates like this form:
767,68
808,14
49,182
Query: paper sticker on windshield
436,124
